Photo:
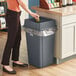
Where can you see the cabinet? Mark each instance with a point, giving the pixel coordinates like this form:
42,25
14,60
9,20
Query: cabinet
2,15
65,36
68,35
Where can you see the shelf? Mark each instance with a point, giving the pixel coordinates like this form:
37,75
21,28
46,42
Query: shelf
3,28
2,14
3,1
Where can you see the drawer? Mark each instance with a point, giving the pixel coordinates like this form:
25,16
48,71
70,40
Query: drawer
68,19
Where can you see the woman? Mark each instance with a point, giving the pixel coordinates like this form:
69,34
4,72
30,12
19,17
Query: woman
14,34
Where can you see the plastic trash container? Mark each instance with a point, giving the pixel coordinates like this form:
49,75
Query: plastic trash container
40,41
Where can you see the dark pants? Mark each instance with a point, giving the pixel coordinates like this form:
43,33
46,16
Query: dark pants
14,37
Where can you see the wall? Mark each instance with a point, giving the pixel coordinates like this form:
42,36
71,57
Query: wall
33,3
24,14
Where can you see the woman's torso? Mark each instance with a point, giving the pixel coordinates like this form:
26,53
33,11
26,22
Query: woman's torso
13,5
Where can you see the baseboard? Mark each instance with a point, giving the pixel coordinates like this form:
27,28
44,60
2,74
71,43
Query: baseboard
59,61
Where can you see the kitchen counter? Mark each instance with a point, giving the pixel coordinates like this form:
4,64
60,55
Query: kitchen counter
68,10
65,41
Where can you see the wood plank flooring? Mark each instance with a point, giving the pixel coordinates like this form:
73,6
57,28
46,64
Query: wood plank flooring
65,69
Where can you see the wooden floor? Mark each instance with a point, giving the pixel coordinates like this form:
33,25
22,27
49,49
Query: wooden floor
65,69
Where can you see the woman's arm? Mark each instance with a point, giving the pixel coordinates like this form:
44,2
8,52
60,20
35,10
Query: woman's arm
23,5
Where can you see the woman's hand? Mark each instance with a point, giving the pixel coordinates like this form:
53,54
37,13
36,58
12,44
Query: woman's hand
35,15
23,5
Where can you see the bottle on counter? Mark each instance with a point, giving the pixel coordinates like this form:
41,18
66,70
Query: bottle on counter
60,3
74,2
52,1
64,3
70,2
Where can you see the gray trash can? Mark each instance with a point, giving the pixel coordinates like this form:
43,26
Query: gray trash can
40,41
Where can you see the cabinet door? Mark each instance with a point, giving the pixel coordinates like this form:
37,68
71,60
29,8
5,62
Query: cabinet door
67,40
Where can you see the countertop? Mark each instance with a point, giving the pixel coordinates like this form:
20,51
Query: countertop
68,10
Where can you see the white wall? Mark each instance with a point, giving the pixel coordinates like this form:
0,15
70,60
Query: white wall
24,14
